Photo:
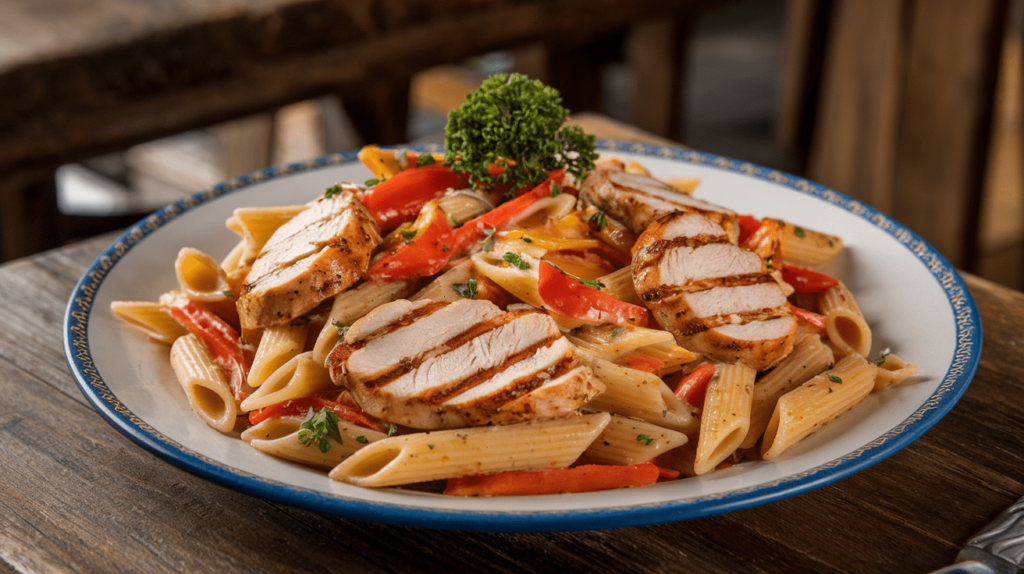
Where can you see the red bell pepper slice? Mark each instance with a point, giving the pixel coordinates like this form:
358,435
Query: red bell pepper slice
301,406
222,340
399,198
748,225
585,478
811,318
427,254
641,361
565,295
473,230
693,387
806,280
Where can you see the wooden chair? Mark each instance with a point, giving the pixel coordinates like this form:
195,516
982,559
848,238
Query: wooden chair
891,102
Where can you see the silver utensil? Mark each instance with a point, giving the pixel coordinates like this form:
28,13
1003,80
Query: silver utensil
997,549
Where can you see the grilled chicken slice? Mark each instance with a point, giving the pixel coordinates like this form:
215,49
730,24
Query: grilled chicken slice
715,297
637,200
438,364
320,252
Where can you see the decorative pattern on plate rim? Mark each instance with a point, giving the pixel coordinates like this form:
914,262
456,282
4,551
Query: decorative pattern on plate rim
967,350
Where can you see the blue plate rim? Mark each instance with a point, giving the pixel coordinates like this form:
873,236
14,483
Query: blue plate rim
954,383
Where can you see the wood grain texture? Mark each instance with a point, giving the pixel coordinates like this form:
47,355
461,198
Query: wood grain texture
79,497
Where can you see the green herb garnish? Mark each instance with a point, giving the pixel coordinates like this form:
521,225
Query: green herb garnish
227,293
515,123
332,191
598,221
372,182
424,159
515,260
489,232
342,329
835,379
362,439
798,231
408,234
555,191
317,427
589,283
467,290
644,439
392,429
615,332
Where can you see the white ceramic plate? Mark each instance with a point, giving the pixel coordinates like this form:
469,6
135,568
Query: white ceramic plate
913,299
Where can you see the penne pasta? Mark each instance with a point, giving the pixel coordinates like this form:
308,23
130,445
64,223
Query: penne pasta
726,416
205,387
629,441
200,277
632,393
420,457
277,346
301,376
807,408
891,371
810,356
151,317
462,205
807,247
280,437
847,330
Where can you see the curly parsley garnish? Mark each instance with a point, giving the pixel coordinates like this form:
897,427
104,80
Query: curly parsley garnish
317,427
515,123
424,159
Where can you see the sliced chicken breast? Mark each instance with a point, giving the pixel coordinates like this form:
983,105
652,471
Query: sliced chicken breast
438,364
637,200
320,252
715,297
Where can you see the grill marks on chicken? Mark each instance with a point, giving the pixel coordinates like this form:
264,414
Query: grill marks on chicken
432,364
637,200
317,254
715,297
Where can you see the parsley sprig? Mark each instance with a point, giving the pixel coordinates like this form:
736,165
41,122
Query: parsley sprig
515,123
317,427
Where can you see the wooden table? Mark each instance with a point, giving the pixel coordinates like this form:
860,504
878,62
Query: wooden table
79,496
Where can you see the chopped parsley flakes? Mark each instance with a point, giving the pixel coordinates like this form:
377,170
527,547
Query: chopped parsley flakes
318,427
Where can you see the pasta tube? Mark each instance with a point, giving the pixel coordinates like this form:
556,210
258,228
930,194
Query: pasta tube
726,416
847,330
629,441
277,346
818,401
420,457
280,437
809,357
807,247
301,376
200,277
893,370
205,387
150,317
632,393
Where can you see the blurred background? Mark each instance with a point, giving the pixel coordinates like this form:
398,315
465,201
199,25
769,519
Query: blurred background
911,107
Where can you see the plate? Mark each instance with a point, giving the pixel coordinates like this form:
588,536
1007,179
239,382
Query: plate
914,300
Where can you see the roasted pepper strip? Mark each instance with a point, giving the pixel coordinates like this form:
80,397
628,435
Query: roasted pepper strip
805,280
425,254
299,407
222,340
564,295
399,198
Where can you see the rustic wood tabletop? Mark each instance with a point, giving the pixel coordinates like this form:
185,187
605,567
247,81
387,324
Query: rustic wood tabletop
78,496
